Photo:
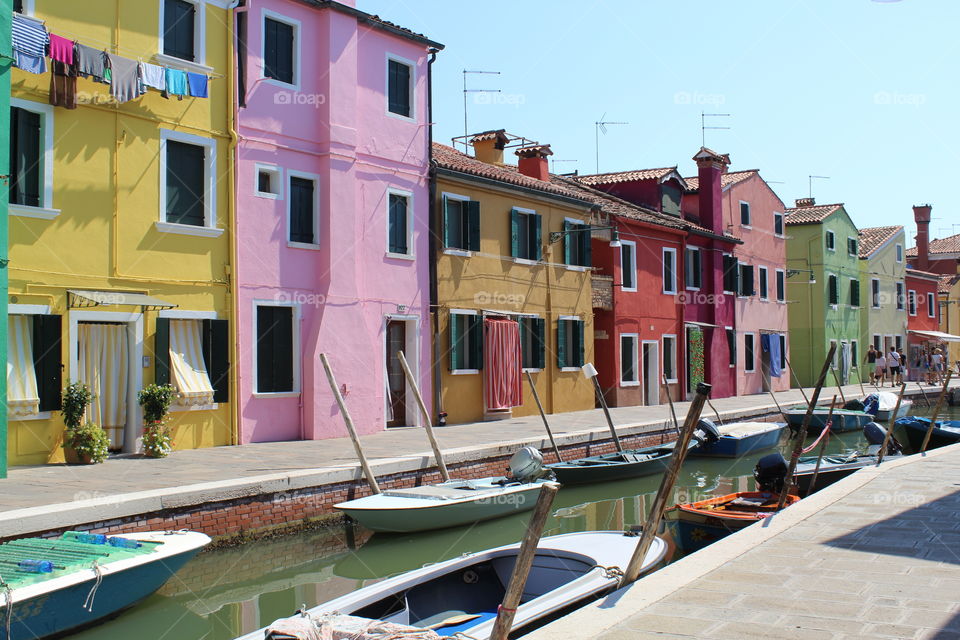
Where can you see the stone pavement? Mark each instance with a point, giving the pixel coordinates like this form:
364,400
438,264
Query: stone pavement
876,555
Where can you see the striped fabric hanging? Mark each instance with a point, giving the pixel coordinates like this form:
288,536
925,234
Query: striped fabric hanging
103,368
502,363
188,369
23,398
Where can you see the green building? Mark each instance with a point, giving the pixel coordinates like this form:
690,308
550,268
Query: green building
823,290
6,57
883,318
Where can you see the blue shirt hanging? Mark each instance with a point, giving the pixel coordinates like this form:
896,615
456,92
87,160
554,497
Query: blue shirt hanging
198,84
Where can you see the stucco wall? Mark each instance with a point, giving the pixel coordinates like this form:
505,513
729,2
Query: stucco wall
886,321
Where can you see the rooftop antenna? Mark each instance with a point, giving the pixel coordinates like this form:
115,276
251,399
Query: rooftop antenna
553,164
466,130
601,126
810,183
704,127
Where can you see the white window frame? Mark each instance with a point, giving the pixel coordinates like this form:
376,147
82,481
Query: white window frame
297,30
780,272
833,305
859,304
931,305
386,87
763,276
899,290
751,366
749,224
209,228
673,285
876,303
452,251
877,339
277,177
686,280
463,312
912,302
833,241
849,253
291,173
199,63
899,253
297,357
633,265
411,252
735,347
783,224
722,284
526,212
520,316
29,310
855,350
179,314
45,211
28,8
578,319
741,263
673,356
635,337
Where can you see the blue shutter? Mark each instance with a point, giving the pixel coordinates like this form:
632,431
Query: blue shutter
579,326
567,239
453,327
515,233
539,343
473,226
48,360
561,343
216,355
586,247
161,351
476,341
537,240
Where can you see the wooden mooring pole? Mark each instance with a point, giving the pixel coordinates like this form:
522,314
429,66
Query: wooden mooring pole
893,423
924,394
543,416
836,379
860,378
796,380
427,423
823,447
591,372
936,412
673,412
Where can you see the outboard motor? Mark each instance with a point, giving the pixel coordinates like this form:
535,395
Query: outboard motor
875,434
706,432
854,405
771,472
871,404
526,465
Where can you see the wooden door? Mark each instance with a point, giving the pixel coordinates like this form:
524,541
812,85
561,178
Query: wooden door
396,381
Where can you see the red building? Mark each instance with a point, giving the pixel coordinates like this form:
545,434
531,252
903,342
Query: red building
923,316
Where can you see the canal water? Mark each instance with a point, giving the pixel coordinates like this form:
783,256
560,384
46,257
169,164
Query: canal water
227,592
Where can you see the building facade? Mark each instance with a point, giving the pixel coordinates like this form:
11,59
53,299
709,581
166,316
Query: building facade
923,318
120,220
6,14
823,277
883,295
332,226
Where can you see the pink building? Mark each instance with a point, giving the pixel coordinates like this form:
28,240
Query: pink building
754,213
332,218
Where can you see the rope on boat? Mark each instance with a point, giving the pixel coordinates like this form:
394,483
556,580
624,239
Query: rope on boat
824,433
609,572
88,603
8,602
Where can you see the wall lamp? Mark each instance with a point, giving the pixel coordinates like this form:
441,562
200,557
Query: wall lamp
557,236
795,272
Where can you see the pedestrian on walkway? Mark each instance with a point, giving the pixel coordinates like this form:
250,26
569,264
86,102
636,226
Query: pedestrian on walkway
880,369
871,361
936,366
893,364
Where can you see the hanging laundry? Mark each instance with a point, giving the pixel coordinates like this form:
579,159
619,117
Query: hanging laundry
63,85
90,63
29,40
176,82
153,76
125,82
198,84
27,62
61,49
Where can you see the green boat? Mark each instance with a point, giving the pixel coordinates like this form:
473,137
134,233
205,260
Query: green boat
843,419
630,463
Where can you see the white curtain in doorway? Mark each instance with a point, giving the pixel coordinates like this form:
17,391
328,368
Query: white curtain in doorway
189,370
22,396
103,368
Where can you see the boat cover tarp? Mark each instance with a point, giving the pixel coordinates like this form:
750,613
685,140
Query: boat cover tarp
343,627
744,429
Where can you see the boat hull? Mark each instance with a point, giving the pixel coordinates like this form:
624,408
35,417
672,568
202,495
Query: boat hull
843,420
916,430
608,467
735,447
696,526
887,414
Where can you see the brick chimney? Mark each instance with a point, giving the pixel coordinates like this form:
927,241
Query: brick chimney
921,215
710,167
805,202
488,146
533,161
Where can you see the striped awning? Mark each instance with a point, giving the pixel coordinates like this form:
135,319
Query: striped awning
188,369
80,299
22,396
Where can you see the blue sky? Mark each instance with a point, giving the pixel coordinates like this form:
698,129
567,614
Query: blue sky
862,91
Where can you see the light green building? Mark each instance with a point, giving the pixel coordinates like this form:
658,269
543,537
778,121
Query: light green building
823,290
6,57
883,318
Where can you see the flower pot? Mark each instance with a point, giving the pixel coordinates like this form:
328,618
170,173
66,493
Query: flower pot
72,457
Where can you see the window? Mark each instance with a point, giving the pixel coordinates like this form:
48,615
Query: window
275,348
783,352
749,357
669,270
898,342
912,302
875,293
876,342
854,352
730,274
833,290
302,210
670,196
746,280
461,223
851,246
399,229
778,224
31,159
525,234
628,360
762,274
781,286
732,346
831,243
33,363
899,248
745,213
854,292
899,296
576,245
931,305
269,181
532,343
188,194
466,341
693,272
399,76
670,358
18,6
628,265
280,49
836,353
180,29
570,342
213,349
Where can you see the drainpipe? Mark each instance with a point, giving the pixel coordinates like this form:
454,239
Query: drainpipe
434,306
234,382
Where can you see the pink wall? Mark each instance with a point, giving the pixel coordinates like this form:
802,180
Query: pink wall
334,125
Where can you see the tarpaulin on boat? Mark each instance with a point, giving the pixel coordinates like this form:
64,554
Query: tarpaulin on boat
502,363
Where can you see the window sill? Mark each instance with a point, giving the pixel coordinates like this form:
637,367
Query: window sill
463,253
267,195
400,256
43,415
672,380
630,384
669,293
693,288
464,372
280,84
276,394
400,116
172,61
177,408
779,235
628,289
745,226
33,212
188,230
531,370
303,245
577,267
526,261
569,369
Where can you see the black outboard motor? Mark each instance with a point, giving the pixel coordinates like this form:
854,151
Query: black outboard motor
771,472
875,434
854,405
706,432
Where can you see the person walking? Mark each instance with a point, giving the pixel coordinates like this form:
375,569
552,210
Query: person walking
871,361
893,365
880,369
936,366
904,373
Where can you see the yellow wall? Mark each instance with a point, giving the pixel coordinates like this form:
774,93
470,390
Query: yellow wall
491,280
950,321
106,177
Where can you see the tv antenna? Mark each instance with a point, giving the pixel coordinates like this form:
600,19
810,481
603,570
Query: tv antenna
704,127
466,130
600,126
810,183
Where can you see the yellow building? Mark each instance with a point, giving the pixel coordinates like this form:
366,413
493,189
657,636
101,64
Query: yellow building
506,292
120,221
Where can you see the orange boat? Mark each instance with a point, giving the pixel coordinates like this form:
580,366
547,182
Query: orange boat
700,523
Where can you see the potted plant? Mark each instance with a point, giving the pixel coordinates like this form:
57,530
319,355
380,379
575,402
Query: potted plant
83,442
156,400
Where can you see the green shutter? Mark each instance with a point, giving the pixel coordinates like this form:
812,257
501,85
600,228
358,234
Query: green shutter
25,158
567,239
446,221
561,343
473,225
539,343
48,361
515,233
216,354
476,342
579,326
161,352
455,344
586,247
537,240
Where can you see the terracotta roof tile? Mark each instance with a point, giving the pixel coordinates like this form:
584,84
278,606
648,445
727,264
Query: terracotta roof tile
950,244
871,238
810,215
947,283
923,274
625,176
726,180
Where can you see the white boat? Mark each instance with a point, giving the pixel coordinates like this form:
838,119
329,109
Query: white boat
568,570
886,402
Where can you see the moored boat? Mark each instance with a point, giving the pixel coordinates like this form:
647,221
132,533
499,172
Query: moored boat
843,419
62,584
881,405
944,432
737,439
835,467
629,463
567,571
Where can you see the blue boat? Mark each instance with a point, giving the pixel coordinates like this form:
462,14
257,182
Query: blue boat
944,432
740,438
59,585
843,419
